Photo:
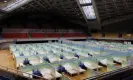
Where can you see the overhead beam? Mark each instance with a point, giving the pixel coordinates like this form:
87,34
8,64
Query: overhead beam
2,11
40,4
85,18
34,7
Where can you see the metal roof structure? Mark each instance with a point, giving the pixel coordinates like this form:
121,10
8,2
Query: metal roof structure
65,8
91,13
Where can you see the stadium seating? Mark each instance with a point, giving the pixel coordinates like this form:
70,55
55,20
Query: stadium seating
127,36
96,35
40,33
53,35
80,35
111,35
68,35
15,35
37,35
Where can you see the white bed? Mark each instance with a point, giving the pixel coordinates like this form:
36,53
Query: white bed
29,74
48,74
106,62
70,57
72,70
91,65
33,62
53,58
118,59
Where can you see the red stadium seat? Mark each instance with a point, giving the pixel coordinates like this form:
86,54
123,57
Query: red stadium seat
53,35
69,35
80,35
15,35
75,35
42,35
37,35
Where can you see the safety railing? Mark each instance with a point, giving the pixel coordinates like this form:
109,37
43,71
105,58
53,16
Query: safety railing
20,73
106,74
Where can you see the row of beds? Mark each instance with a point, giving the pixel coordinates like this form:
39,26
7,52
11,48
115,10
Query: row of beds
67,68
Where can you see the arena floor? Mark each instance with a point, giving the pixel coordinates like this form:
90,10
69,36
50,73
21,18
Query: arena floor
6,59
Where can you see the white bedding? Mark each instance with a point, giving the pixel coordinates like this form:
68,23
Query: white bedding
118,59
91,66
27,75
72,70
106,62
47,74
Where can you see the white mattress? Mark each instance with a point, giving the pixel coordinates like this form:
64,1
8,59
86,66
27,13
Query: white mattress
118,59
104,61
27,75
72,70
46,73
91,66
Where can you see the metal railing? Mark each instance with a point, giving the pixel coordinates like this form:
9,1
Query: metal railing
98,76
106,74
20,73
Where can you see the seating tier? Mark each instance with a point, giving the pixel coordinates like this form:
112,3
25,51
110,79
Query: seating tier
15,35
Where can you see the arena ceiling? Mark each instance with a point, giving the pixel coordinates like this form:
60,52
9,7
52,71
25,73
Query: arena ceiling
78,11
64,8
